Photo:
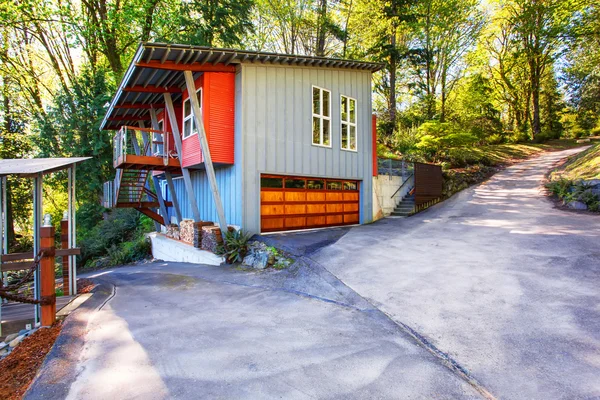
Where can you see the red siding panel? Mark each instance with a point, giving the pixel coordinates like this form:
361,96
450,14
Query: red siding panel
218,94
191,145
219,119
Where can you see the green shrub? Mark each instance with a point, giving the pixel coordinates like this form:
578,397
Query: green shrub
235,246
560,187
495,138
118,239
569,191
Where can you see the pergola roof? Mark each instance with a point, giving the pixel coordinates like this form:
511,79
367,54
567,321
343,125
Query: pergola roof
26,167
157,68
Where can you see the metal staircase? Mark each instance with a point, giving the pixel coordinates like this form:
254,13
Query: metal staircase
137,153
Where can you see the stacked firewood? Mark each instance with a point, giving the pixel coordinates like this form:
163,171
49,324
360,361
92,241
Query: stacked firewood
186,231
211,238
197,242
173,231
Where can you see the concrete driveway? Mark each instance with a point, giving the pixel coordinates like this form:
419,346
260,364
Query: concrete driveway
499,280
188,331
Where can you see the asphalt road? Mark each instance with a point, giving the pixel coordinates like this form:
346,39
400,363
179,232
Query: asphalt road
188,332
497,278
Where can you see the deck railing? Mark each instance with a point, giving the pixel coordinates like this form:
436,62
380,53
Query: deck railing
130,140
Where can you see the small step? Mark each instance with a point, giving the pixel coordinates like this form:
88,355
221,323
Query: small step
401,214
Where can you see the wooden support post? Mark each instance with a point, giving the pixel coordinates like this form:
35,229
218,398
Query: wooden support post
72,231
174,200
210,169
161,201
37,223
47,290
159,196
64,244
187,180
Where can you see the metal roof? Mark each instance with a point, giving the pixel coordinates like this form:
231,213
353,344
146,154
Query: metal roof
26,167
157,68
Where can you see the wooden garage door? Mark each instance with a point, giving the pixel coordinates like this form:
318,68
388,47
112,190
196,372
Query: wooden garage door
291,202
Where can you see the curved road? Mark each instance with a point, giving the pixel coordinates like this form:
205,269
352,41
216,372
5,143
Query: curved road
505,284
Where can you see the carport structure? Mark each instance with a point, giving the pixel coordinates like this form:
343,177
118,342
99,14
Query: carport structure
36,169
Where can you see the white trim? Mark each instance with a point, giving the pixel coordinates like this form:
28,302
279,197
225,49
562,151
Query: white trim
349,124
320,116
193,128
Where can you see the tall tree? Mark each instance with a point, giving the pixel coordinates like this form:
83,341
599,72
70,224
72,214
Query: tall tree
541,26
441,35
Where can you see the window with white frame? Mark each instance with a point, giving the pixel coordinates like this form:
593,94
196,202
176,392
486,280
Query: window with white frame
348,118
189,125
321,117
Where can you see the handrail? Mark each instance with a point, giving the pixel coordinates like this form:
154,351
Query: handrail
131,140
403,183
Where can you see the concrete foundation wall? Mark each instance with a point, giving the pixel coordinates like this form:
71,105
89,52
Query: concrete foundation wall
166,249
384,187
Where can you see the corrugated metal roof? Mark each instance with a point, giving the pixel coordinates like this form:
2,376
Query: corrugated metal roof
157,67
32,166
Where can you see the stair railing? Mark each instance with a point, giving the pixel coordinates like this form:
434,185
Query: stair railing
405,181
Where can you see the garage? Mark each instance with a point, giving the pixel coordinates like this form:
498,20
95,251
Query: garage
293,202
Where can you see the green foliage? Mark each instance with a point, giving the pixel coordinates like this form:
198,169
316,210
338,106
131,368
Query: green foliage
214,23
120,237
235,246
70,128
568,191
560,187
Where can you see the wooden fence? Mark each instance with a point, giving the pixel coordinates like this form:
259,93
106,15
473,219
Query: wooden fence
428,185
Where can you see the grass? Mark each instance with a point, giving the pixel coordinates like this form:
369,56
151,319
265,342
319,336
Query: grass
584,165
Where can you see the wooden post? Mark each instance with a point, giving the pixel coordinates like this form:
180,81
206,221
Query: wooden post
48,311
187,180
64,244
174,200
210,169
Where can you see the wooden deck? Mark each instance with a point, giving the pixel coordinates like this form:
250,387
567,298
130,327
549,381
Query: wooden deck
131,161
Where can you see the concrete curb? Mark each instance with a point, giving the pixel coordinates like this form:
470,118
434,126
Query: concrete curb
59,369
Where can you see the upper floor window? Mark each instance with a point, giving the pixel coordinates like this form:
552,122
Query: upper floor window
321,117
348,118
189,125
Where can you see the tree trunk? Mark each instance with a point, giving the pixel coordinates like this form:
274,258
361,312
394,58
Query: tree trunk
443,95
321,29
392,95
536,126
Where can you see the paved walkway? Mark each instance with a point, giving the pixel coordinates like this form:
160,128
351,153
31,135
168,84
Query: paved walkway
505,284
188,332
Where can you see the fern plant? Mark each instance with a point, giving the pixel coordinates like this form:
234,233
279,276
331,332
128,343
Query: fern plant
235,246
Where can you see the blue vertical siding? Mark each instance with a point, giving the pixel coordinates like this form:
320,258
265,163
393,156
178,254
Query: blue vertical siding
230,195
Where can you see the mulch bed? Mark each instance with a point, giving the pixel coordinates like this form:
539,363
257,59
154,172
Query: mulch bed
84,285
18,369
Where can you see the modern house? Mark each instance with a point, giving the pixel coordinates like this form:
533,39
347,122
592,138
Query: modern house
270,142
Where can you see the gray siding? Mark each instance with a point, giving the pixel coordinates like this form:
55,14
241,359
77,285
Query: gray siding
276,130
